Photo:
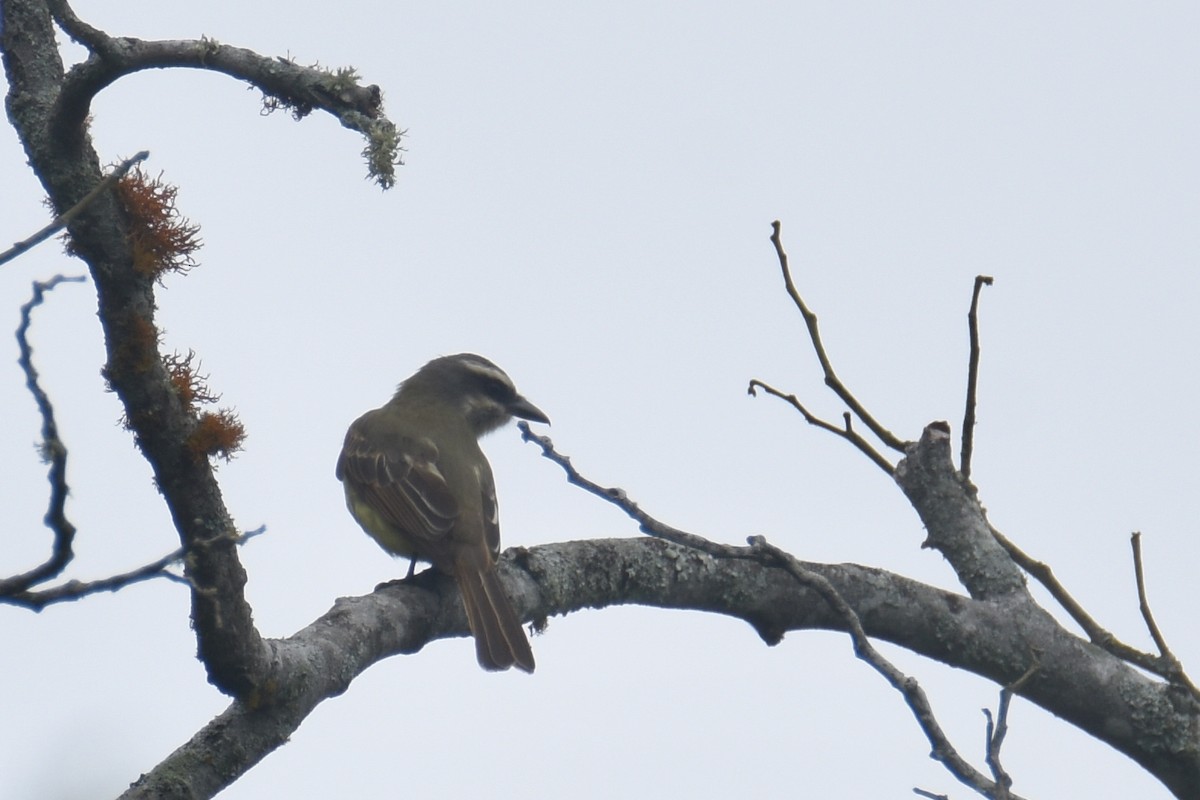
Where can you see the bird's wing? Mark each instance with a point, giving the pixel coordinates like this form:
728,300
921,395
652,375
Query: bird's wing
491,512
398,477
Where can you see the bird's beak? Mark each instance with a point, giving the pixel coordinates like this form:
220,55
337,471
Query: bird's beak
526,410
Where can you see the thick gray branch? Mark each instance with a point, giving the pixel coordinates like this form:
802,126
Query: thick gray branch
998,639
68,167
954,520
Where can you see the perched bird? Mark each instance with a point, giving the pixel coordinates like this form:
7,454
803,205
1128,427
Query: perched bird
418,483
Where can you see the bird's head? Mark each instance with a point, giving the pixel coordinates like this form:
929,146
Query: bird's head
483,392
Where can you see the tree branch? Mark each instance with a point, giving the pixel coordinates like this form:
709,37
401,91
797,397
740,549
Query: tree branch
968,431
80,32
1085,686
846,431
230,645
1171,667
814,335
918,702
284,84
62,220
1096,633
954,519
998,731
620,499
75,590
53,451
770,556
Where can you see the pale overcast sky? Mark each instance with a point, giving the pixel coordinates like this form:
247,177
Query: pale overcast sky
587,201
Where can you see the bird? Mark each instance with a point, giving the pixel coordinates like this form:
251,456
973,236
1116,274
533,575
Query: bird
418,483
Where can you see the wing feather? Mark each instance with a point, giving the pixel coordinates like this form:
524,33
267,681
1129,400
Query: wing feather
398,478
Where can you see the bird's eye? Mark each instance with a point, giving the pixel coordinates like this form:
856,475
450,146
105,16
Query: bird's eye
497,389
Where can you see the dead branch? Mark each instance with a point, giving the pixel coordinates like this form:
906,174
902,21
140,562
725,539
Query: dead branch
1096,633
769,555
814,335
847,432
1172,668
75,590
968,431
997,731
52,449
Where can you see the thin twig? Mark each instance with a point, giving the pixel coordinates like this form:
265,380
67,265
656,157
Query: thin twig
1096,633
1042,572
73,590
968,432
765,553
62,220
52,449
943,751
1172,667
620,499
847,432
999,730
814,334
1135,541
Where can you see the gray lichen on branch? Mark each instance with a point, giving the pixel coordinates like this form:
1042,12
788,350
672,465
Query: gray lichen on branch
283,83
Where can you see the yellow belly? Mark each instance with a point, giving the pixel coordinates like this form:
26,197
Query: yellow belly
389,537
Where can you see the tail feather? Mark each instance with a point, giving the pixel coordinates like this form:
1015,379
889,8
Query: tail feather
500,641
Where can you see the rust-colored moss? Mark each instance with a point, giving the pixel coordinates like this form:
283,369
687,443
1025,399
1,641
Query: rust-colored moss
162,239
189,384
218,433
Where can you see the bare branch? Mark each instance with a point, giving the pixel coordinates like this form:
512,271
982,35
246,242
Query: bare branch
1096,633
51,121
62,220
618,498
52,449
943,751
769,555
847,432
814,334
74,590
1135,541
968,431
996,733
1172,668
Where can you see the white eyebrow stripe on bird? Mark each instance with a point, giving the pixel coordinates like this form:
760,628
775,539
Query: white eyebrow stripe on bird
488,370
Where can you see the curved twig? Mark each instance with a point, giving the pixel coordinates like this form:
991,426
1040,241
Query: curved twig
53,450
284,83
847,432
74,590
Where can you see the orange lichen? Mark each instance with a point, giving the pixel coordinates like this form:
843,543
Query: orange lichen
161,238
217,433
190,385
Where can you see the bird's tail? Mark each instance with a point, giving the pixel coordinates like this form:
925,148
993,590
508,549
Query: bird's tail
500,641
